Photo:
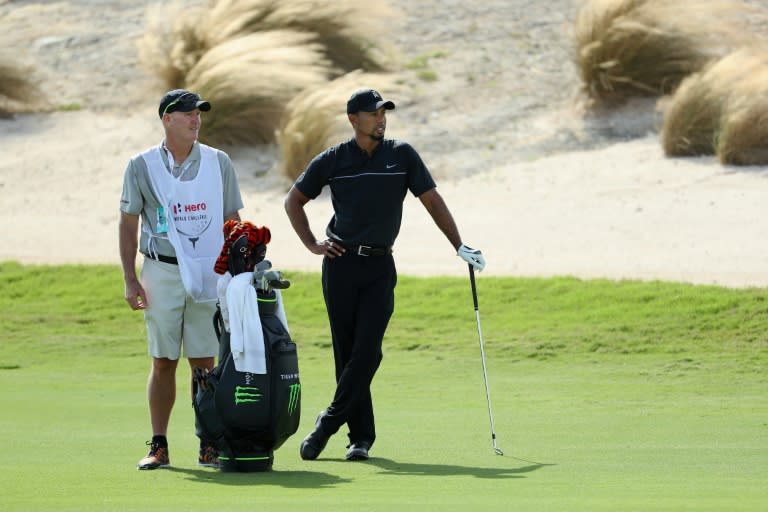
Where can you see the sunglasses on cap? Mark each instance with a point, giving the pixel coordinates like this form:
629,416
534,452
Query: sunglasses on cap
187,96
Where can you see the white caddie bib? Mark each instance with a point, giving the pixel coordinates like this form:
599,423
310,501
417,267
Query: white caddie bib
194,213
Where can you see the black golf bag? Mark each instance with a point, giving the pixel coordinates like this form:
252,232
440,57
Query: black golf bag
248,416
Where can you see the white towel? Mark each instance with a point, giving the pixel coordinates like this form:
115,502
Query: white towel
221,292
246,340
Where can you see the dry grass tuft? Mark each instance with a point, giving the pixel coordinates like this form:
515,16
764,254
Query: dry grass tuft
316,118
630,48
171,46
694,117
250,79
742,138
249,57
19,92
345,29
693,113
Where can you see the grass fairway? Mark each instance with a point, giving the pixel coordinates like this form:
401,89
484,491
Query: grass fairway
606,396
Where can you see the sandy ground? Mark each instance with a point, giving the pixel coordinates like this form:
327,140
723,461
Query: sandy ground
539,188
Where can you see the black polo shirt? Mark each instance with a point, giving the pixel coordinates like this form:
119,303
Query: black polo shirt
367,192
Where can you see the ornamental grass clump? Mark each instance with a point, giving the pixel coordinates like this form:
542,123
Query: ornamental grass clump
316,118
743,132
250,57
250,79
708,101
19,91
627,48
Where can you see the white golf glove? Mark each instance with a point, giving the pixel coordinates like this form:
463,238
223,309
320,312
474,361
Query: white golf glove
472,256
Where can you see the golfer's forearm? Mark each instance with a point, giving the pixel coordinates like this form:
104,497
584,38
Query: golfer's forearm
442,217
300,224
447,225
294,208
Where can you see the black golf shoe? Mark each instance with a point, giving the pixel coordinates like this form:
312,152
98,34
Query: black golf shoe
358,451
315,442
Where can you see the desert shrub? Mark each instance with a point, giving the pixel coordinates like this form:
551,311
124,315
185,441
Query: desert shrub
249,57
647,47
169,46
316,118
694,115
344,29
742,137
19,91
250,79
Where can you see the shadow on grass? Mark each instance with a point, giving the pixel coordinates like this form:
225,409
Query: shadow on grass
392,467
288,479
319,479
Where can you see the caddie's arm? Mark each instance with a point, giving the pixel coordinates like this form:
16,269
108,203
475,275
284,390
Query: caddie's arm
129,246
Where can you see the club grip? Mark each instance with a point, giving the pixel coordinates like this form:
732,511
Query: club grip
472,283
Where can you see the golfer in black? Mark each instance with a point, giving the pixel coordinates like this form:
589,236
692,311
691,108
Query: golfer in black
368,176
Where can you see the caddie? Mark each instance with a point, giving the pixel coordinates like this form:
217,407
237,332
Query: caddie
177,195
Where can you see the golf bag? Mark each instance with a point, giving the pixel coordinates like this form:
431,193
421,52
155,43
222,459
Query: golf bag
248,415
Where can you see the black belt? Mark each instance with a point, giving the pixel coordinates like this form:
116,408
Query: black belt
367,250
165,259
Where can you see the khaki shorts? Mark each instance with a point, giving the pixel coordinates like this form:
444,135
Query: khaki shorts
173,319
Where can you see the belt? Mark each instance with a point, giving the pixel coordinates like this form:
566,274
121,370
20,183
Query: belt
367,250
165,259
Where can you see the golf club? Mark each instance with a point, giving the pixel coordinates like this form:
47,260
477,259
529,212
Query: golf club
482,355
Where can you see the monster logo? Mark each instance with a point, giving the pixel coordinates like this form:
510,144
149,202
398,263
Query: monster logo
246,394
293,400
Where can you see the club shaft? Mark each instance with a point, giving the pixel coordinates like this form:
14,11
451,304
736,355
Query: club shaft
482,355
485,377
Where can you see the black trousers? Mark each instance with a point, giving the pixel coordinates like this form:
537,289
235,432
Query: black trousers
359,295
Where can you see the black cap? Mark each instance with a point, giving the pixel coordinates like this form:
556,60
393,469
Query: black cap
182,100
367,100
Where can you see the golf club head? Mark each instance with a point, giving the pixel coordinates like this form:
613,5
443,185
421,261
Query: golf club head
498,451
275,280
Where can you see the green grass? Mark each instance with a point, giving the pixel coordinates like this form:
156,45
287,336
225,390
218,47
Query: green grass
70,107
420,65
606,396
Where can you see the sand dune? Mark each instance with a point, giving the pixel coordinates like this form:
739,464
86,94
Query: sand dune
526,179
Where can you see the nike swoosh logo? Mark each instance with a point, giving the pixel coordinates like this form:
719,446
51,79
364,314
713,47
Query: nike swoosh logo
390,166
